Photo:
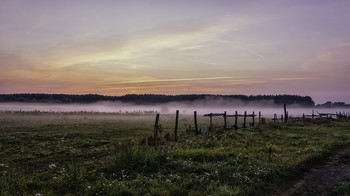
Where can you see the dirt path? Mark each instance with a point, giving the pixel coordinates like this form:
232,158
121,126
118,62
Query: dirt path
323,177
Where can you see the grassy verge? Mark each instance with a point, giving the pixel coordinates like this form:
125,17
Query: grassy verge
341,188
105,154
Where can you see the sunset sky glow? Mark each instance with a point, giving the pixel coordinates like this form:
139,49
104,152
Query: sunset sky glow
176,47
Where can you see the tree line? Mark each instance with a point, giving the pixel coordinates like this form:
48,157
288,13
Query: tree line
330,104
150,99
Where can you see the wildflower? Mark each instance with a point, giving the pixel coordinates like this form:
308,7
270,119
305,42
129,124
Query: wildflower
52,165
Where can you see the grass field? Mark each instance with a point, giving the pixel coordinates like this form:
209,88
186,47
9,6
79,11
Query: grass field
113,154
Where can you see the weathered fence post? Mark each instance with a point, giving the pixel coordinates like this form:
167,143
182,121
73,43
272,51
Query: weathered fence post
211,121
285,113
236,115
156,128
259,118
313,115
244,119
253,119
274,118
176,124
282,117
195,122
225,120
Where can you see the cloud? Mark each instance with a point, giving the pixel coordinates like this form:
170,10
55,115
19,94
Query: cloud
293,78
182,41
175,80
253,52
332,61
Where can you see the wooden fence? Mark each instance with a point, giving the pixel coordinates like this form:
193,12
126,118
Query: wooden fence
283,118
235,116
337,115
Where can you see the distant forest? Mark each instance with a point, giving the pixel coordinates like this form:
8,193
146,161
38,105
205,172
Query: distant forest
150,99
330,104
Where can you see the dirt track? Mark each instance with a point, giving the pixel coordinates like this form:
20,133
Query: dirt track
320,179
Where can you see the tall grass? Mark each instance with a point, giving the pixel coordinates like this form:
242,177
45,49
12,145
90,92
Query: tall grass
118,156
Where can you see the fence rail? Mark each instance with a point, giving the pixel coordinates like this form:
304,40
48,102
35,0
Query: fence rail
284,118
236,115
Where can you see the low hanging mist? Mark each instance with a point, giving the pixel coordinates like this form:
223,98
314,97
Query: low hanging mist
267,108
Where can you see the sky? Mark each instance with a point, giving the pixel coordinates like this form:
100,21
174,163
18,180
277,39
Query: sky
115,47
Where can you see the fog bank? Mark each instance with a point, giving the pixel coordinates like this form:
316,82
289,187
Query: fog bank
185,108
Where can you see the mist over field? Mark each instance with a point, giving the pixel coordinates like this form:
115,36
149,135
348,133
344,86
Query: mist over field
267,109
182,97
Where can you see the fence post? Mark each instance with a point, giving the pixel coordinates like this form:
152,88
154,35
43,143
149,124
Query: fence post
253,118
211,121
156,128
195,122
225,120
259,118
245,118
274,118
176,124
285,113
236,115
282,117
313,114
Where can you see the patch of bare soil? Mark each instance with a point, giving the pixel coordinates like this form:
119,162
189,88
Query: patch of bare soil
318,180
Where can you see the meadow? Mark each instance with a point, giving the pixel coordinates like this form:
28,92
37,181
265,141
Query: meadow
82,153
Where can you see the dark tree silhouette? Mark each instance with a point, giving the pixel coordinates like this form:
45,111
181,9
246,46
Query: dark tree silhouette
150,99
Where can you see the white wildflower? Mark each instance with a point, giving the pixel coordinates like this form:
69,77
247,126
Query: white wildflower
52,165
